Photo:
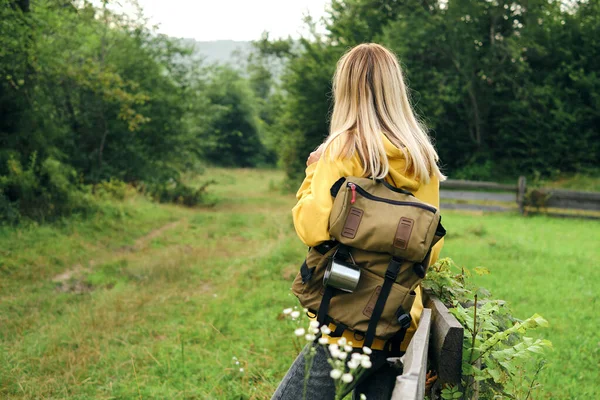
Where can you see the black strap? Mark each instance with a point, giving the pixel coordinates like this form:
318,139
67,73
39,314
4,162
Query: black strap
339,329
324,247
390,277
306,273
394,343
343,252
324,307
335,188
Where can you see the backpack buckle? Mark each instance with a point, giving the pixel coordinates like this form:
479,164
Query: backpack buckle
403,318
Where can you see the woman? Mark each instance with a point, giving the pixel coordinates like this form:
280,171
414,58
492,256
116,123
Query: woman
373,133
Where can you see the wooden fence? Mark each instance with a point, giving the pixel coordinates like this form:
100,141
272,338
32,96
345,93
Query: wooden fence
439,339
473,195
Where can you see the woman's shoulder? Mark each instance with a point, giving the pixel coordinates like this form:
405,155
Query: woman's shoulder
347,163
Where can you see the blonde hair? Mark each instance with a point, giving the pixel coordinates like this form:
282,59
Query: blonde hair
371,100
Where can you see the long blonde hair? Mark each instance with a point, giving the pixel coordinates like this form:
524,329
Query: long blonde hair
371,100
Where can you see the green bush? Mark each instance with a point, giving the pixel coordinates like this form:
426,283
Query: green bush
40,191
175,191
499,360
113,189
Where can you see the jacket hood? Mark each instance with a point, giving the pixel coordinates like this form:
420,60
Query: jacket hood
398,175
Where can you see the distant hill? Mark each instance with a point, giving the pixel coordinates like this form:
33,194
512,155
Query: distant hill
220,51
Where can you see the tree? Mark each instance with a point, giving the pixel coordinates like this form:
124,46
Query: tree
231,137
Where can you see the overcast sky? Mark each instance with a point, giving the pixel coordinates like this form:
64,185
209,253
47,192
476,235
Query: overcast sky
231,19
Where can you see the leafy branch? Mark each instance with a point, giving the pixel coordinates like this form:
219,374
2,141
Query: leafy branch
496,352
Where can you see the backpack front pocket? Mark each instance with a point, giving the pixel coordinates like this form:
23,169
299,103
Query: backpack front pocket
355,309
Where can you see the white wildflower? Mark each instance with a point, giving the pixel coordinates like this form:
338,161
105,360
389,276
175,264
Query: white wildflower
314,324
309,337
357,356
347,378
323,340
367,350
242,370
334,347
237,363
295,314
342,341
287,311
342,355
353,364
347,348
299,332
335,374
325,330
363,396
366,364
334,352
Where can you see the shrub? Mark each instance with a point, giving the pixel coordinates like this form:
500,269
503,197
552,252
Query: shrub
40,191
175,191
113,189
499,361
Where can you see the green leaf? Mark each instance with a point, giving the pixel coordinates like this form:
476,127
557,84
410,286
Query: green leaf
481,271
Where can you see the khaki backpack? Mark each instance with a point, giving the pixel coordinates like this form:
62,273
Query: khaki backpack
364,278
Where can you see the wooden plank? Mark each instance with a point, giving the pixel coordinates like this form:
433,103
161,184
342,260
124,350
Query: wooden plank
481,196
474,207
446,342
411,384
454,184
574,195
573,200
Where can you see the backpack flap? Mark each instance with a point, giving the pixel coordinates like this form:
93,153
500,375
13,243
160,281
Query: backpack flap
376,217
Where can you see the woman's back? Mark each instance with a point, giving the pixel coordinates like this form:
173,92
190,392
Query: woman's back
311,213
373,133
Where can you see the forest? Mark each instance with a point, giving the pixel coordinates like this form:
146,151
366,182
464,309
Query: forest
93,100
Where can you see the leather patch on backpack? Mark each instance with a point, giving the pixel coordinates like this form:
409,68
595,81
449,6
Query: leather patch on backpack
368,311
352,222
403,232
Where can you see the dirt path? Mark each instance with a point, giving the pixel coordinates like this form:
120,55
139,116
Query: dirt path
73,279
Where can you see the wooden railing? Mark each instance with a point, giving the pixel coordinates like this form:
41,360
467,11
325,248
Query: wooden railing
469,195
438,339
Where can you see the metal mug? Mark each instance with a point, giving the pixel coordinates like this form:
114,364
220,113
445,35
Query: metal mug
342,275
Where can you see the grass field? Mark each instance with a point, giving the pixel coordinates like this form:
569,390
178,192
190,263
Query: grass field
154,302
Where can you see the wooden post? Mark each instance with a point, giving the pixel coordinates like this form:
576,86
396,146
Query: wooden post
522,190
411,384
446,342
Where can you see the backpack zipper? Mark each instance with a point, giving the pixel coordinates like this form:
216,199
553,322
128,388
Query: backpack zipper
355,188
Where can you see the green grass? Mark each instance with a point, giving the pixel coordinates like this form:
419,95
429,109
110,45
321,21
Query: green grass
543,265
580,182
154,301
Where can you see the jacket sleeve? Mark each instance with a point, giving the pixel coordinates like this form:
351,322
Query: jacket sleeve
432,192
311,213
